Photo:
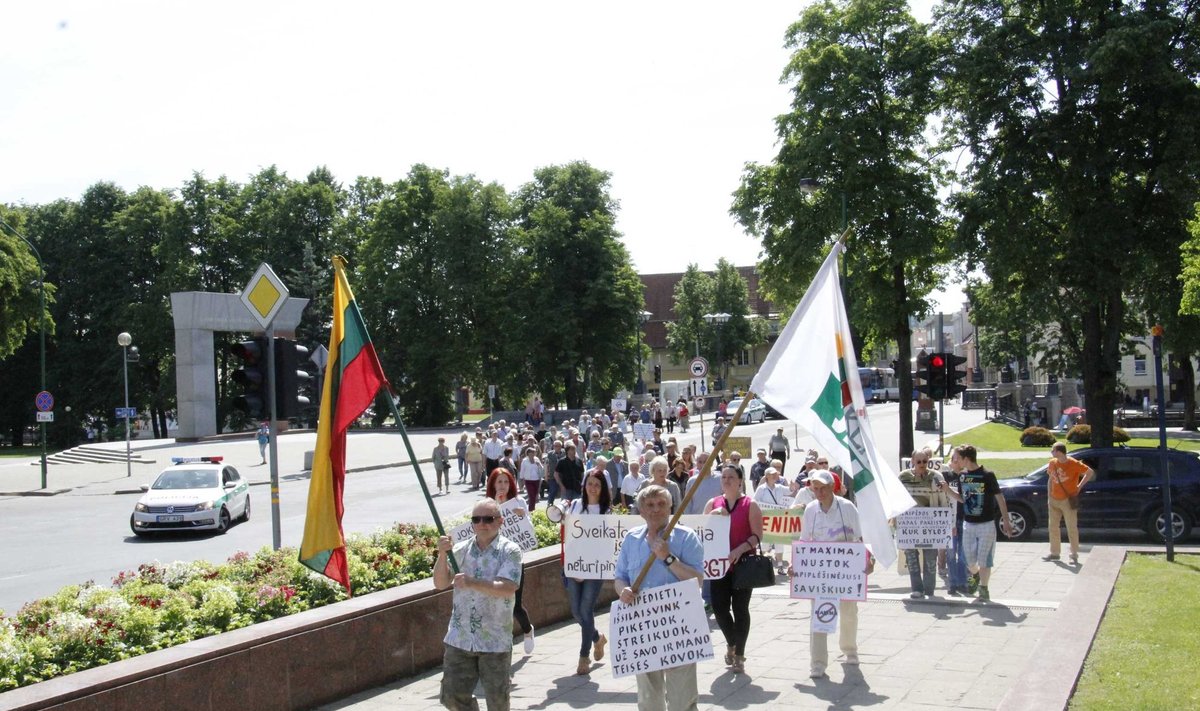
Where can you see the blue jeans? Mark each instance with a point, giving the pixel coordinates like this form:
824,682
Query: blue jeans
551,491
958,561
583,595
922,569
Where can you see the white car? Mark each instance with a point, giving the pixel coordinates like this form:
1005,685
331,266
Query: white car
756,411
194,494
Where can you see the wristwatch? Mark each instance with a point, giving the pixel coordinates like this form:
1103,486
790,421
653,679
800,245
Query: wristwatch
670,560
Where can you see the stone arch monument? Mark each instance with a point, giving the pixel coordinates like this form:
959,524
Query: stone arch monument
197,316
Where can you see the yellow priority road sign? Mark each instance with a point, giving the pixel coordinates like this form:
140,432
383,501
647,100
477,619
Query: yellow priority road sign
264,295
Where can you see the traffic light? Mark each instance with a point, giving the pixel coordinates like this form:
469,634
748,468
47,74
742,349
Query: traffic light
658,373
955,378
934,373
922,375
290,381
252,376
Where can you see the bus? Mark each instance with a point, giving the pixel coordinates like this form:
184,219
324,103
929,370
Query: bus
879,384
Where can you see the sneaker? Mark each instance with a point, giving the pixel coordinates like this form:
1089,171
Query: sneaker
529,641
816,673
852,659
972,583
983,594
1074,559
1052,556
917,596
954,592
598,648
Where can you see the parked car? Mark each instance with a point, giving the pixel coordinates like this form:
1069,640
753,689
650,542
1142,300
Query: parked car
756,411
1125,493
194,494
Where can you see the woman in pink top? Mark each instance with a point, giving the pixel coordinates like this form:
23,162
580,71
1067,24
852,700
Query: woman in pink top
732,607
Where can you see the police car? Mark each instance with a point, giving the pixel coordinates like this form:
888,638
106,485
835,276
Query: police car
194,494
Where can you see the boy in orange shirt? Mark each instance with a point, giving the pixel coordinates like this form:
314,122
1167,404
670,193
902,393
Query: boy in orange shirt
1066,476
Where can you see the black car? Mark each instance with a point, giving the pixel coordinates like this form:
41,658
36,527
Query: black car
1126,492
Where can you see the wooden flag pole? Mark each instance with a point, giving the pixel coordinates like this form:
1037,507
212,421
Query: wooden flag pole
693,487
412,457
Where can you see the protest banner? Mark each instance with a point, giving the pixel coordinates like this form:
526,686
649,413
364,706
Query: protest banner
515,527
925,527
741,445
591,543
665,627
829,569
780,524
643,431
618,404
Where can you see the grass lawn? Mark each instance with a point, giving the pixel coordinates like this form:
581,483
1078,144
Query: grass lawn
1145,647
997,437
1009,468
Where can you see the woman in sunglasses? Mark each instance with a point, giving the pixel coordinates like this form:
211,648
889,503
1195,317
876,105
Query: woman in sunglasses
596,500
502,486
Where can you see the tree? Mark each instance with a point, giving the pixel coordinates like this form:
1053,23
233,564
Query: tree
21,313
1078,120
865,79
429,266
698,293
575,271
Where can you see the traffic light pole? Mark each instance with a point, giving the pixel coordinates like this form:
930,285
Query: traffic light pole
273,444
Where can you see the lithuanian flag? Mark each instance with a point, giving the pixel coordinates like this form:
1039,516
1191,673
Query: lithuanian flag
353,376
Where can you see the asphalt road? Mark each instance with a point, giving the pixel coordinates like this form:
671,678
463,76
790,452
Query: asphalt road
55,541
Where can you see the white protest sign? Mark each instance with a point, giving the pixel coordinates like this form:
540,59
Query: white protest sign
825,614
643,430
925,527
516,527
617,404
591,543
665,627
829,570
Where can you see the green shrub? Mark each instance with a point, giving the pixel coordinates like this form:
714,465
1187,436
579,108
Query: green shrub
1037,437
1082,434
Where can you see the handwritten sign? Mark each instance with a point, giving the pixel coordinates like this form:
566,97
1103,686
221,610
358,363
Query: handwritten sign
516,528
829,570
665,627
643,431
741,445
591,543
780,524
925,527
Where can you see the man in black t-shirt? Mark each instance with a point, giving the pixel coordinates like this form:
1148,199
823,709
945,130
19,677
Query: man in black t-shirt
569,473
980,496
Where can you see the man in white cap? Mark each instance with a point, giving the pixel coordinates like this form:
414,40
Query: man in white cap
779,448
831,518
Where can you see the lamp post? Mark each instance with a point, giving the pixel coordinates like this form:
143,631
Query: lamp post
42,322
587,378
124,339
719,319
639,388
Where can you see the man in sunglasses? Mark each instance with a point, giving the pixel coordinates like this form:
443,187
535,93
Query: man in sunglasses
479,640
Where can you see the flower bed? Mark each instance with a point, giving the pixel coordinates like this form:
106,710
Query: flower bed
163,605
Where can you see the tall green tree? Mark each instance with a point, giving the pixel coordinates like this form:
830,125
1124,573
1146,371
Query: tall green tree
864,79
1077,121
432,252
693,299
698,294
575,271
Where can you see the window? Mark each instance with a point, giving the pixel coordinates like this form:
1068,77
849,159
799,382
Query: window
1139,365
743,357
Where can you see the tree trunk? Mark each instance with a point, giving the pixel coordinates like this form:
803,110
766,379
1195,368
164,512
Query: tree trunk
1187,383
1101,360
904,346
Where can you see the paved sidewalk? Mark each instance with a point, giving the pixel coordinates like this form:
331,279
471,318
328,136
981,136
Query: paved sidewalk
939,654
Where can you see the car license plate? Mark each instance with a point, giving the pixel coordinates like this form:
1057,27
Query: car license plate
169,519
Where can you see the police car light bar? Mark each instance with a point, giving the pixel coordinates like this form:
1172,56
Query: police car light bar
193,460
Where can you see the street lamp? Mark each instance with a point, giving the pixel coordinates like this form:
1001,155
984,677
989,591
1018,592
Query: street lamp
720,319
587,378
640,387
42,320
124,339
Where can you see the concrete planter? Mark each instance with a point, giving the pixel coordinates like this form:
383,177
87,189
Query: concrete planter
295,662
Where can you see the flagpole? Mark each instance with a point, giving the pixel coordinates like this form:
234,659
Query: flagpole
412,457
692,488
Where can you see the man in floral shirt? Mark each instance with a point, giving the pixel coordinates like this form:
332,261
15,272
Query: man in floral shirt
479,640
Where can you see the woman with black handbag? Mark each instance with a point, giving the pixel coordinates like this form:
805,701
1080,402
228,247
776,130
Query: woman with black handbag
730,602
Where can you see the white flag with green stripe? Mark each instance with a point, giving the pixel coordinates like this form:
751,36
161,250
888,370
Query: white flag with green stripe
811,376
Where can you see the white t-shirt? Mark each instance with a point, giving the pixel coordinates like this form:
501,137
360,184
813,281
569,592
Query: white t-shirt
766,495
531,469
631,484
